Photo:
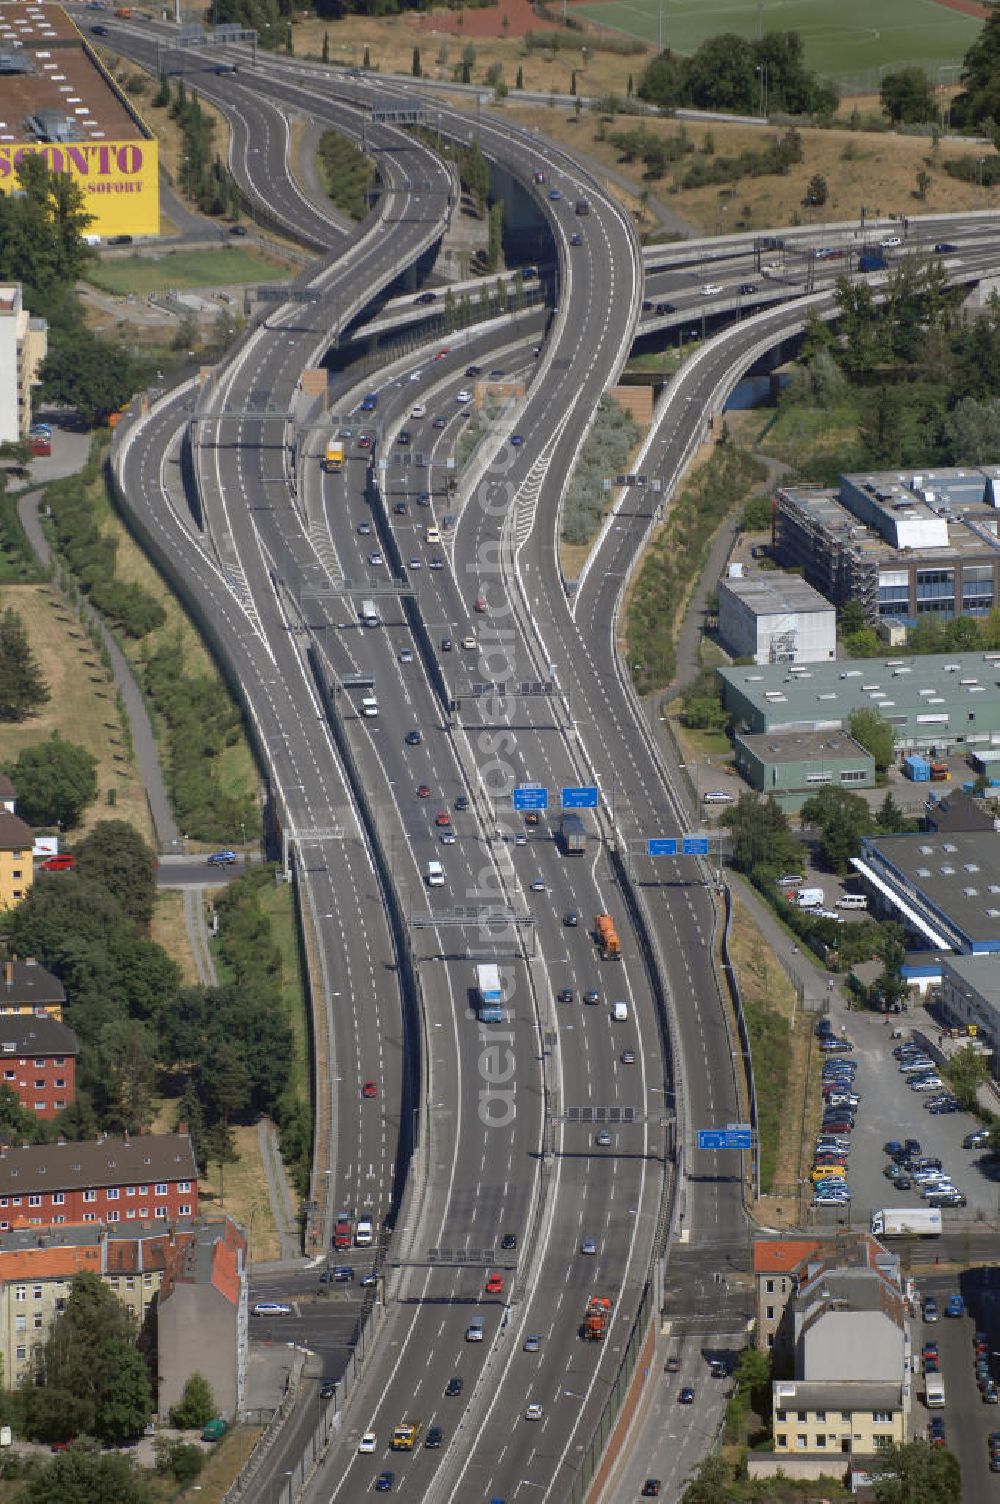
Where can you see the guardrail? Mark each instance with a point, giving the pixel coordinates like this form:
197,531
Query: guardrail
736,997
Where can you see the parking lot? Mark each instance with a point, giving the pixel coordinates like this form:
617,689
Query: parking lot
890,1110
967,1421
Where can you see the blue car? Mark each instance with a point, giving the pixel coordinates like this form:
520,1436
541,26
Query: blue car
222,858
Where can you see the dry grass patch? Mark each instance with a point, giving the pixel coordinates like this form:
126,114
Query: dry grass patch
243,1195
391,40
169,929
82,707
860,167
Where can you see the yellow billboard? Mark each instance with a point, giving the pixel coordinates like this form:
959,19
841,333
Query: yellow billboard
119,179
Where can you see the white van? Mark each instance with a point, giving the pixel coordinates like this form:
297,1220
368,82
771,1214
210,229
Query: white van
369,614
363,1233
717,796
619,1012
369,705
434,875
420,411
810,898
432,535
852,901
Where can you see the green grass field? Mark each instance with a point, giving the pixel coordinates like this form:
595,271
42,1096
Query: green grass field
226,267
841,41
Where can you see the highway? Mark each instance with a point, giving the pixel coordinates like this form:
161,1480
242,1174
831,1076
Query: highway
497,1154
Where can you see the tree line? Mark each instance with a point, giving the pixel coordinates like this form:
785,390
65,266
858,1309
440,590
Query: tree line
740,76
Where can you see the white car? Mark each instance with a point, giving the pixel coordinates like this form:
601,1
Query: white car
375,559
534,1412
926,1083
420,411
711,290
464,395
367,1442
890,243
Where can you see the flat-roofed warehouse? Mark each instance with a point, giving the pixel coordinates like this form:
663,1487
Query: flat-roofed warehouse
56,99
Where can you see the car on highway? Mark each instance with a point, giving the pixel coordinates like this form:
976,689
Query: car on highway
517,440
532,1343
440,420
442,817
364,527
473,371
406,655
538,885
367,1443
592,996
711,290
748,287
565,995
651,1489
423,791
369,1090
434,1438
342,1231
686,1396
384,1482
414,737
415,563
509,1240
480,606
628,1057
672,1365
534,1412
576,238
588,1245
538,177
494,1284
447,837
425,297
944,248
219,859
930,1309
462,802
469,643
555,195
464,395
571,919
890,243
454,1387
602,1139
400,508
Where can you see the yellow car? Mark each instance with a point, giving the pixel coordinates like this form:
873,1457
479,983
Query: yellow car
829,1172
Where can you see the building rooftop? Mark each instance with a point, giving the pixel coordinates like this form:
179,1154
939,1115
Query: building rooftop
60,1251
772,593
100,1162
804,746
36,1034
957,811
844,1249
7,790
25,982
14,834
837,1394
802,694
53,89
980,972
883,512
956,877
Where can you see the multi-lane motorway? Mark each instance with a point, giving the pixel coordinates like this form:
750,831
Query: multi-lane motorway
508,1177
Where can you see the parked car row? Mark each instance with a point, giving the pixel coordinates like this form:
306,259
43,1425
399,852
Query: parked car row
840,1105
993,1441
985,1379
908,1167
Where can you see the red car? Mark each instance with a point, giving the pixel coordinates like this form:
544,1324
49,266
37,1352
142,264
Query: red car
370,1089
342,1232
442,818
494,1285
61,863
423,792
479,604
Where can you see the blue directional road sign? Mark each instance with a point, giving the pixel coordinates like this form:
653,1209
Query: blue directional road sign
735,1137
695,846
531,796
584,796
661,846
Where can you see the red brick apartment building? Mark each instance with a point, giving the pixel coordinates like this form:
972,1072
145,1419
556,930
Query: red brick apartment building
148,1178
38,1061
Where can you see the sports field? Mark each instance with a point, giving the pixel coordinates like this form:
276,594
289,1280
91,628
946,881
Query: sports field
849,41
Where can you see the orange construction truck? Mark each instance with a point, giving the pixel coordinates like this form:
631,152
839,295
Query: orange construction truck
597,1318
607,937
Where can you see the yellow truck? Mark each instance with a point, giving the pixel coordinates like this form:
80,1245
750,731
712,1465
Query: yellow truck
333,459
405,1436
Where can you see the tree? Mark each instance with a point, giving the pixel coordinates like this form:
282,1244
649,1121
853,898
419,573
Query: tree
851,617
325,53
973,426
842,820
967,1070
197,1405
22,688
415,68
519,80
87,1478
760,835
816,191
917,1473
873,732
124,1396
890,818
55,782
980,98
115,855
91,1353
908,97
923,183
178,1458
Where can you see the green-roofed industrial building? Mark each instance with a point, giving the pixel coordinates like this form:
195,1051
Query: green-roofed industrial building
940,703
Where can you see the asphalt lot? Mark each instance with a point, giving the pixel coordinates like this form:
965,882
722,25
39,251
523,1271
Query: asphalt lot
967,1421
890,1110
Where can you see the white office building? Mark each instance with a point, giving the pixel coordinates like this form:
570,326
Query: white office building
23,343
776,618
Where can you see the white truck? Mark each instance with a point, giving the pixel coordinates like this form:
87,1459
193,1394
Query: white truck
810,898
906,1221
934,1391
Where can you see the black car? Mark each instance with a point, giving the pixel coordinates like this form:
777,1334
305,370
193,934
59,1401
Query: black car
119,240
665,308
426,297
237,229
434,1438
564,995
454,1387
571,919
414,738
327,1388
462,802
473,370
944,248
748,287
446,644
404,436
509,1240
400,508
